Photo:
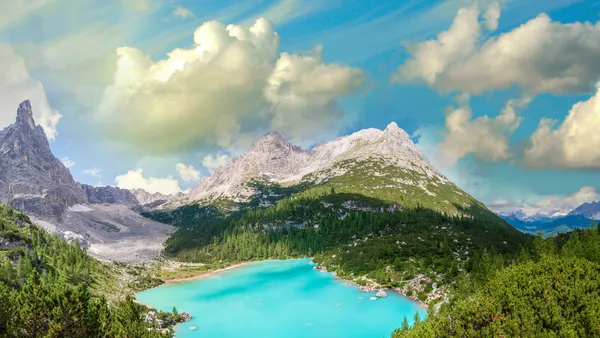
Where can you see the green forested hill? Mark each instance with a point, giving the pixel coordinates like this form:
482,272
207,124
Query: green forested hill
361,238
49,288
551,290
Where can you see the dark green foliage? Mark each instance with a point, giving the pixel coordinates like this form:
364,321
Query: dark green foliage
321,223
552,291
45,289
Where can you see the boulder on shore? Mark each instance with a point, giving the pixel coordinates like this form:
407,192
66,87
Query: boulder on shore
381,294
185,317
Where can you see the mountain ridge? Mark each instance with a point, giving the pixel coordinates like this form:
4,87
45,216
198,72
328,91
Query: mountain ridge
272,161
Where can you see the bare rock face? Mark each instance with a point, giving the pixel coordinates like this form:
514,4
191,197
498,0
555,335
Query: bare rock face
145,198
275,160
270,158
35,181
109,195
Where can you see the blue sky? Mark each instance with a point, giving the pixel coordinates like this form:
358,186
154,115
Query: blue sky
105,133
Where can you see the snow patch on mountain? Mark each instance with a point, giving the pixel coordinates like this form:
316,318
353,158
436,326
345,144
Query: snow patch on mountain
79,208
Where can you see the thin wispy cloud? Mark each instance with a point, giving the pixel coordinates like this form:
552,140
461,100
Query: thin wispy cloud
183,13
285,11
95,173
370,35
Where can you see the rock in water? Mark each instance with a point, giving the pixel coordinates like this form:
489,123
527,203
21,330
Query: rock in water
381,294
185,317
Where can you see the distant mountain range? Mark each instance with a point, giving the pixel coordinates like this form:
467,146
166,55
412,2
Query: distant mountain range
554,222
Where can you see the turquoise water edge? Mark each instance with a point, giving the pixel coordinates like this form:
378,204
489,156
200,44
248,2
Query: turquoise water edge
285,298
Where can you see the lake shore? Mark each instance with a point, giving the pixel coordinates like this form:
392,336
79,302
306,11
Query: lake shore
371,287
205,274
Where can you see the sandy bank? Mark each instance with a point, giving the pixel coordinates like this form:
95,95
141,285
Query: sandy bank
205,274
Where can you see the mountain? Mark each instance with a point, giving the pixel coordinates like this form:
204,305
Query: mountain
109,195
589,210
553,222
382,164
31,178
102,219
368,206
136,198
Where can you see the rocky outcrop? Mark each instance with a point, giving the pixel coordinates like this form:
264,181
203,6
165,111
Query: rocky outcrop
381,294
109,195
31,178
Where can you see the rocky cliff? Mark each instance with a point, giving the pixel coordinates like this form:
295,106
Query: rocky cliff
31,178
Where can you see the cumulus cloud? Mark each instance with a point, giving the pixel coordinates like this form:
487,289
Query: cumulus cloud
67,162
539,56
16,85
95,173
187,172
183,13
214,161
484,137
574,144
134,179
231,82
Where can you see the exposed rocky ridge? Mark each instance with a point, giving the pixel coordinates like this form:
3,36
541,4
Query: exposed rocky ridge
35,181
274,160
109,195
131,198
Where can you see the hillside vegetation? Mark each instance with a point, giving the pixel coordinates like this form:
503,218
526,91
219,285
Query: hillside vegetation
364,239
50,288
550,290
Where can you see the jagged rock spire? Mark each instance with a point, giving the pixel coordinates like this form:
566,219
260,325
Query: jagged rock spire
25,115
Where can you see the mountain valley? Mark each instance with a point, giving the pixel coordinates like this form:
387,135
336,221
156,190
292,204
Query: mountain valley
368,207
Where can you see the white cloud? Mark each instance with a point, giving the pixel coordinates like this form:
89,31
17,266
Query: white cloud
486,138
187,172
94,172
67,162
14,12
16,85
538,56
134,179
574,144
213,162
183,13
232,82
549,204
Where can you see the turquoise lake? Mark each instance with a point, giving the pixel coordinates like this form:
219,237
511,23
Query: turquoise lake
287,298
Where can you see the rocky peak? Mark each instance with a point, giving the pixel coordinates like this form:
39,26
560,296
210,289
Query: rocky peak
587,209
273,142
30,176
276,160
393,129
25,115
